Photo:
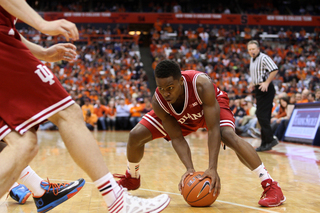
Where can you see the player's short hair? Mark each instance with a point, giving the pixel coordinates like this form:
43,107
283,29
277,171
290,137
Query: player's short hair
167,68
254,42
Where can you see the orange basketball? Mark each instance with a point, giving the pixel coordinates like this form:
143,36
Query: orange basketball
196,192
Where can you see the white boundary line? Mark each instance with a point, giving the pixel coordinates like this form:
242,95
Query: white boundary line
226,202
151,190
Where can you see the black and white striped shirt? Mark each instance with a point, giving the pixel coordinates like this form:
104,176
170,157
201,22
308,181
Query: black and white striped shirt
260,67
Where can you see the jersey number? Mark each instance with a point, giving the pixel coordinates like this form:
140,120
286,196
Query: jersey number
44,74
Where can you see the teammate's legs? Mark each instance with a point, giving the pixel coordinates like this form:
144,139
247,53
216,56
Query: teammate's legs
79,141
84,150
19,152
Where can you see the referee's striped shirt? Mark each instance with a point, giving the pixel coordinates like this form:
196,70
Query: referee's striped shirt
260,67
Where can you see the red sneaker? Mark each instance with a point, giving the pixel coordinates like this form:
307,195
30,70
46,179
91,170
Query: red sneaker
127,181
272,194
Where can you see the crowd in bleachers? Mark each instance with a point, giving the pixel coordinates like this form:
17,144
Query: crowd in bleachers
222,54
108,79
310,7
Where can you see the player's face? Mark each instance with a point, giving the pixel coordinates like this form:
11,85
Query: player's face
169,88
253,50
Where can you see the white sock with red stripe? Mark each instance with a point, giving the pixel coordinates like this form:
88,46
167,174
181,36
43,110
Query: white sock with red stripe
14,185
262,173
31,180
108,188
133,169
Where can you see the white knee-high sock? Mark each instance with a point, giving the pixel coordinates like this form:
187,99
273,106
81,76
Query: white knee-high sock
30,179
262,173
108,188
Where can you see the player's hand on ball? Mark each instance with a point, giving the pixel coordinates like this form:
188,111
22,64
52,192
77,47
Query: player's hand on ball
215,180
188,172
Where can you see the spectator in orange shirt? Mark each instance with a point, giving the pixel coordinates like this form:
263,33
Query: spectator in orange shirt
89,116
168,28
101,111
282,113
158,25
304,97
200,29
135,113
87,106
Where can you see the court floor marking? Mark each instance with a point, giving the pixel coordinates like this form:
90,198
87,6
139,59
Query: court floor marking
226,202
172,193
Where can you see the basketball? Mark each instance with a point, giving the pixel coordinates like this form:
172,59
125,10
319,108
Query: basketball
196,192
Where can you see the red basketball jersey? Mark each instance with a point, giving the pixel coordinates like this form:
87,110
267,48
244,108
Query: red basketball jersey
192,112
191,118
29,92
6,19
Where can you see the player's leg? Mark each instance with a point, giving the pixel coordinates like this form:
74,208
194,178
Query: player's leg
272,195
80,141
243,149
19,152
18,192
138,137
85,152
46,195
147,129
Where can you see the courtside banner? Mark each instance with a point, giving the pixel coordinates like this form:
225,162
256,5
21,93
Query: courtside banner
303,124
183,18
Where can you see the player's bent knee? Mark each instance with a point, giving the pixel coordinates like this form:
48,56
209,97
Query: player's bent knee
134,137
229,137
139,135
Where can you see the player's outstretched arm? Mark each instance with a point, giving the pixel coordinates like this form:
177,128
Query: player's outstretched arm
179,143
57,52
21,10
211,111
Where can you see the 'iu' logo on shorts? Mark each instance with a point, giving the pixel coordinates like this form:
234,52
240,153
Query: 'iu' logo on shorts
45,74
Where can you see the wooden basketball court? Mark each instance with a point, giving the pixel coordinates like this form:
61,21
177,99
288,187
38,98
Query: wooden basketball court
294,166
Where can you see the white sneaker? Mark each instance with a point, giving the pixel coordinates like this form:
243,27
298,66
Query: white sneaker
126,203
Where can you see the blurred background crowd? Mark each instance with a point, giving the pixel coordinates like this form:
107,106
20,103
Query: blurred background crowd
109,80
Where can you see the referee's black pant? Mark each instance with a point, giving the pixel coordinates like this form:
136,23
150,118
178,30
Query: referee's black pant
264,108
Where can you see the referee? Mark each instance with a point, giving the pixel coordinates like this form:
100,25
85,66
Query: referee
262,71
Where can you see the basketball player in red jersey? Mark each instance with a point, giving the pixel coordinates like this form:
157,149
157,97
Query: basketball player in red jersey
31,94
183,102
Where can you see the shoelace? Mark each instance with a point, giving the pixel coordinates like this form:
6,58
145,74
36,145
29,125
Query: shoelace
55,186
